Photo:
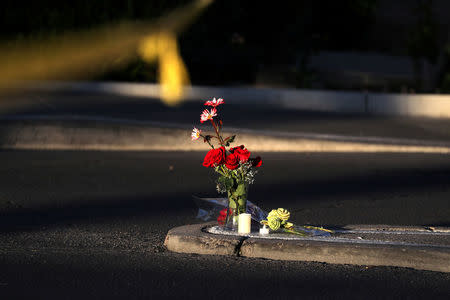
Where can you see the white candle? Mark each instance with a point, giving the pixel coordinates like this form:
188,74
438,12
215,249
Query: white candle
244,224
264,230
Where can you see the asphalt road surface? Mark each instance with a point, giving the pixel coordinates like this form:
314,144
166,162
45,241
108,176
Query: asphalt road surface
92,224
240,116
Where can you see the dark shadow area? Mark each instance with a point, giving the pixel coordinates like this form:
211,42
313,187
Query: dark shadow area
95,211
443,224
389,191
168,277
85,103
401,181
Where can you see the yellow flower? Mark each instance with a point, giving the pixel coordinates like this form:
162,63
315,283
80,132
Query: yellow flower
278,218
283,214
274,223
273,213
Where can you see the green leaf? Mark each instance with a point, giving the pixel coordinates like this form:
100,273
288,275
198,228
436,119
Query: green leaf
229,140
226,182
241,190
207,138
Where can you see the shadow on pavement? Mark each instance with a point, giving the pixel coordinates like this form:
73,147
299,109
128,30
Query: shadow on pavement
97,211
390,198
140,276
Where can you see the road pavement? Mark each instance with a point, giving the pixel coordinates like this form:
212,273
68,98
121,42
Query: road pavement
92,224
260,117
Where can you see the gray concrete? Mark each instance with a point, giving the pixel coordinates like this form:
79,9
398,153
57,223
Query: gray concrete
192,239
430,252
64,106
417,257
433,106
84,133
410,105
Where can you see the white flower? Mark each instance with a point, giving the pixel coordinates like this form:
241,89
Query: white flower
207,115
195,134
214,102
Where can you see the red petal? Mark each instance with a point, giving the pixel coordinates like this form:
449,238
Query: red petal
257,162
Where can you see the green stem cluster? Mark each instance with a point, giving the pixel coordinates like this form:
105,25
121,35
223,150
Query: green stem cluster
238,198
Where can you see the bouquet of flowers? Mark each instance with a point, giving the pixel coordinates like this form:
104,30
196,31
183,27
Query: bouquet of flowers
235,167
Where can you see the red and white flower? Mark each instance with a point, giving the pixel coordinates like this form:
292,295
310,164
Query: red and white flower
195,134
214,102
208,115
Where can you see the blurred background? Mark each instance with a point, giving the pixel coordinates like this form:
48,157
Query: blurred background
365,45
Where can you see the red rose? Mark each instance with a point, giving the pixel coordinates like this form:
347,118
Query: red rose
242,153
256,162
232,161
214,157
222,218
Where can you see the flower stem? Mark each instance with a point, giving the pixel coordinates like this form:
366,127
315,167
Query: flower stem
294,232
226,170
218,134
207,141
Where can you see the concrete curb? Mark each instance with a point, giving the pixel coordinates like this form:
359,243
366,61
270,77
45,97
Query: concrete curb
422,258
113,135
425,105
194,239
